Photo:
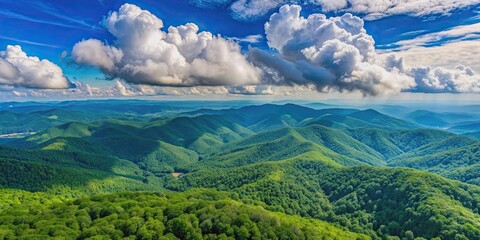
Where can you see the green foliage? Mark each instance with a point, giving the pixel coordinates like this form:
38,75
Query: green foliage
199,214
460,163
379,202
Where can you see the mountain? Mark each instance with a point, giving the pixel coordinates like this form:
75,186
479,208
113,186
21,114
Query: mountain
472,135
247,172
70,173
270,146
375,117
457,163
438,120
379,202
270,117
465,127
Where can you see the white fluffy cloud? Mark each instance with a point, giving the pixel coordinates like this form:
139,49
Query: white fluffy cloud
460,79
331,53
20,70
182,56
371,9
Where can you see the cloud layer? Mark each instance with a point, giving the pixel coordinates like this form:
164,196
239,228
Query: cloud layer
123,89
370,9
17,69
455,34
182,56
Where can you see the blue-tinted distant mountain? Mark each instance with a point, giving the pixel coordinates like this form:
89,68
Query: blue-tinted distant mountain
440,120
123,106
271,116
472,135
466,127
386,121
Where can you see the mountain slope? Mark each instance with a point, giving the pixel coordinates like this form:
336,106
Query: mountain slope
461,163
379,202
200,214
290,142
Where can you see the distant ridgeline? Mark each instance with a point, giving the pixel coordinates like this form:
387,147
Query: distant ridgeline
197,170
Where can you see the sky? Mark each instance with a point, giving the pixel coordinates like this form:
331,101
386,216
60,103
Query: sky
372,49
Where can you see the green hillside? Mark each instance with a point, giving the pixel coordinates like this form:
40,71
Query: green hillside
458,163
199,214
379,202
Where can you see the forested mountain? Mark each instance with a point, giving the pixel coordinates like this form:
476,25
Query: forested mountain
250,172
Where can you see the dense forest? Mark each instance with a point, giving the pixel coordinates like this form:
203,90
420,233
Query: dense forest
254,172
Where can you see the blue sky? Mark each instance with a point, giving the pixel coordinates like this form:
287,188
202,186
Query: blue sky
49,29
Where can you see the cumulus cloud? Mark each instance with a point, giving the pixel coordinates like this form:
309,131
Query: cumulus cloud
460,79
442,68
331,53
17,69
370,9
182,56
314,52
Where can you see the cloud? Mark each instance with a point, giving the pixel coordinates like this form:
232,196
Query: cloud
455,34
20,70
96,53
330,53
182,56
121,89
375,9
247,9
14,15
209,3
252,90
370,9
460,79
84,90
448,55
248,39
29,42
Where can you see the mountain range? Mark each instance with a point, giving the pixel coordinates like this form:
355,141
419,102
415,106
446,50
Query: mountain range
148,170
